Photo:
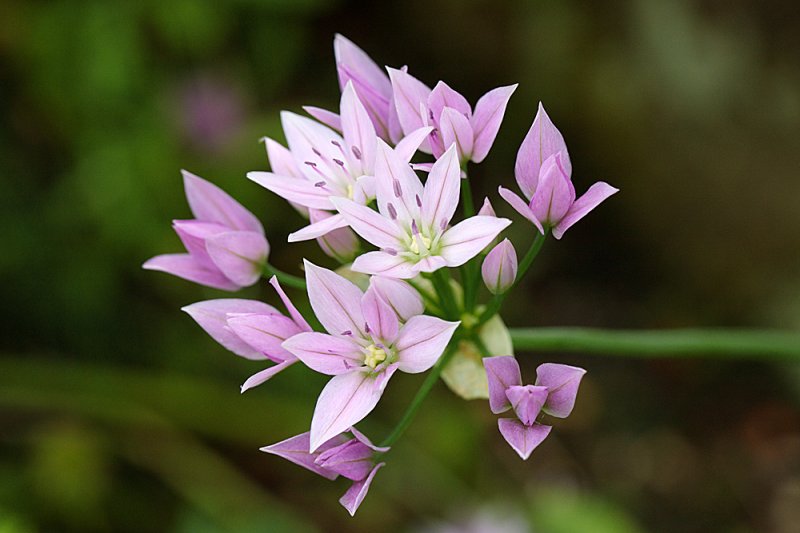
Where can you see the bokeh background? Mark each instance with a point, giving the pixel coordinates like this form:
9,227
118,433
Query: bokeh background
118,413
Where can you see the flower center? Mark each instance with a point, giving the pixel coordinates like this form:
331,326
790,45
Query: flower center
375,356
414,246
349,191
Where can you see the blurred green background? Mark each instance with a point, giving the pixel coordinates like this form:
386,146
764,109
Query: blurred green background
118,413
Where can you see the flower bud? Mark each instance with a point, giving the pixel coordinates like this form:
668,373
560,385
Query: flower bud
341,244
499,269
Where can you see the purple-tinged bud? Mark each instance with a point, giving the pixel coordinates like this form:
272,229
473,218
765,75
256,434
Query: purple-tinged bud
542,141
499,269
562,382
341,243
353,459
555,193
527,401
486,209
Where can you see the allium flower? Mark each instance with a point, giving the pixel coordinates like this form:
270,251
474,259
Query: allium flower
450,115
499,269
364,346
352,458
322,165
543,171
252,329
412,226
554,394
225,242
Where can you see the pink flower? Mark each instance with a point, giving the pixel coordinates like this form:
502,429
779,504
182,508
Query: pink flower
365,344
451,116
352,458
543,171
554,394
225,242
412,226
499,269
252,329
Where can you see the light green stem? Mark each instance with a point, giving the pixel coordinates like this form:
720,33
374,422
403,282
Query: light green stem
284,278
724,343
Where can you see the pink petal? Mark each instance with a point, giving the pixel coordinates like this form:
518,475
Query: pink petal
293,312
523,439
520,207
527,401
265,332
455,129
588,201
502,372
345,401
396,184
487,209
431,263
329,118
380,317
261,377
562,381
408,93
542,141
489,112
319,228
310,142
499,269
240,255
384,264
209,203
554,194
326,354
440,198
370,225
340,243
295,449
186,267
298,190
402,297
422,341
443,96
193,235
358,491
212,316
335,300
466,239
360,437
358,131
408,145
281,160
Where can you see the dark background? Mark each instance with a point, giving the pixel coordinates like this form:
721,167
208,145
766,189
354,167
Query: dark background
118,413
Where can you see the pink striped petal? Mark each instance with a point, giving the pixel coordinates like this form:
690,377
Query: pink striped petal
329,118
422,341
298,190
583,205
527,401
212,316
281,160
520,207
335,300
562,381
240,255
326,354
293,312
523,439
402,297
351,500
312,142
487,209
542,141
502,372
466,239
261,377
319,228
489,112
440,198
193,234
265,332
456,129
408,145
370,225
185,266
209,203
431,263
384,264
380,317
443,96
358,131
408,93
396,184
295,449
340,243
554,194
345,401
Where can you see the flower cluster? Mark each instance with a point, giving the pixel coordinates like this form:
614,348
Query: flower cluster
394,303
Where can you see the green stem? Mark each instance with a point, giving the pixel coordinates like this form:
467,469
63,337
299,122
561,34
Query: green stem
494,304
726,343
422,393
447,300
466,198
430,301
283,277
